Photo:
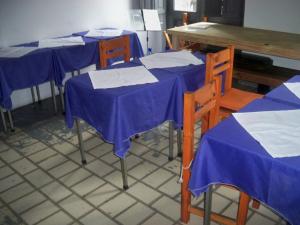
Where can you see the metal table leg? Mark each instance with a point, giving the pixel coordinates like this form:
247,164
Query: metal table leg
3,120
72,73
171,140
11,122
80,142
60,89
32,95
124,173
78,72
207,205
53,95
38,93
179,142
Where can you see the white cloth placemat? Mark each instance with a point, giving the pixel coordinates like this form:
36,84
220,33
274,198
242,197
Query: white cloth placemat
277,131
294,88
170,59
15,52
112,78
58,42
104,33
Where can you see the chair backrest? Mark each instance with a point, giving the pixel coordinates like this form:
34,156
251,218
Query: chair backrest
218,63
168,40
114,48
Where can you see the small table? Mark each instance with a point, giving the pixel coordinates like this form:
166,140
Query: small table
119,113
239,160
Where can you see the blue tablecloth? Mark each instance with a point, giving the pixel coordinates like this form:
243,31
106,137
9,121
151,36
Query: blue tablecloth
283,94
119,113
32,69
228,154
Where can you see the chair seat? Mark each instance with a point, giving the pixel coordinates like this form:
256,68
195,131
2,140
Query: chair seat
235,99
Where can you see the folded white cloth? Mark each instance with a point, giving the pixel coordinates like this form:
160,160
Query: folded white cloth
112,78
15,52
277,131
170,59
58,42
104,33
294,88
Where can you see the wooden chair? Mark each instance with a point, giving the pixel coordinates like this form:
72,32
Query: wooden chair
203,103
232,99
114,48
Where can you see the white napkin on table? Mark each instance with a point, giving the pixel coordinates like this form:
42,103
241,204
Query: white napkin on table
104,33
15,52
170,59
277,131
58,42
294,88
112,78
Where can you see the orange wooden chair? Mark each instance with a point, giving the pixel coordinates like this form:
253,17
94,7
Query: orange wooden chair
203,103
232,99
114,48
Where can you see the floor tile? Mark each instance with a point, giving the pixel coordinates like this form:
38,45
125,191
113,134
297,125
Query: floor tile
172,187
138,149
99,168
116,179
63,169
110,158
56,191
5,171
38,146
87,185
39,212
3,146
75,206
156,157
168,207
10,155
35,178
52,161
10,182
258,219
173,166
131,161
42,155
102,194
95,217
144,193
8,218
75,176
65,148
60,218
76,157
27,202
92,143
158,219
142,170
117,204
23,166
101,150
16,192
158,177
139,209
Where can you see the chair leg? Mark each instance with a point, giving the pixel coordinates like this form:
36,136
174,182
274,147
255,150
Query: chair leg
243,208
38,93
207,205
53,96
3,120
171,140
185,197
80,142
179,142
72,73
124,173
255,204
32,95
11,122
78,72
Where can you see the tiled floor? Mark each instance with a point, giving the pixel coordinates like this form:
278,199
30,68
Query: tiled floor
42,181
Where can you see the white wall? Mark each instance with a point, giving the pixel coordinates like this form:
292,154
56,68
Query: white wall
29,20
279,15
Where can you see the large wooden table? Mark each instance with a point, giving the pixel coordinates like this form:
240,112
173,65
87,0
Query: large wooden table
267,42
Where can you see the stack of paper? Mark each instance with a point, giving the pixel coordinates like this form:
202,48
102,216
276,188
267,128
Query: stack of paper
58,42
294,88
113,78
277,131
170,59
104,33
15,52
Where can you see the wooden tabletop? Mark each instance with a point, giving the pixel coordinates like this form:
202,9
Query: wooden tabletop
267,42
